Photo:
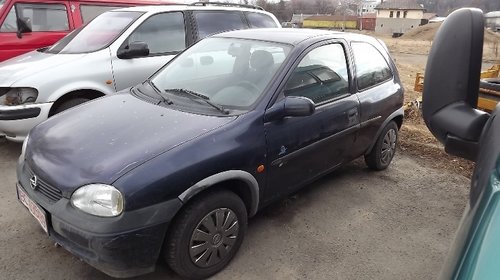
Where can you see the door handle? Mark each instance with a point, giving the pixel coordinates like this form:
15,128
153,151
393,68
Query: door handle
352,116
352,113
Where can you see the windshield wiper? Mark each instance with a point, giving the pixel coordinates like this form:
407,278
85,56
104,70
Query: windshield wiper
157,90
198,96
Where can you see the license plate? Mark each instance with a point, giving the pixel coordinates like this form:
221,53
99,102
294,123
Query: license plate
34,209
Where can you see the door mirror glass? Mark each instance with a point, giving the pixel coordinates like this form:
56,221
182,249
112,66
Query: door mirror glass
134,50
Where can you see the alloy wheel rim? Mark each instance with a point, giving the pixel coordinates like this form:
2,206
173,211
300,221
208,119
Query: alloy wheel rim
214,237
388,146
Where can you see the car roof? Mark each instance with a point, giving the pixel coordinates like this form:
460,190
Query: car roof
180,7
292,36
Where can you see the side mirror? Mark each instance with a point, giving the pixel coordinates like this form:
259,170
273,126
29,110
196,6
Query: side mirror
291,106
451,83
133,50
23,26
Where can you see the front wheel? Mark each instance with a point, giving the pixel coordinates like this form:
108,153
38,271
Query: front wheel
382,153
70,104
206,235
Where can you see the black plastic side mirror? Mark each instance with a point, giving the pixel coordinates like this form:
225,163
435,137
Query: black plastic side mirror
23,26
290,106
451,83
133,50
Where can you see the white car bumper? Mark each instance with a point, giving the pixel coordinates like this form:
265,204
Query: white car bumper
17,121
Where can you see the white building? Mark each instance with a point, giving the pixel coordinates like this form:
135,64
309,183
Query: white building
493,20
398,16
367,6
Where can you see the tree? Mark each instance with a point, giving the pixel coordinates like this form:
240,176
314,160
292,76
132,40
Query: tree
264,4
324,6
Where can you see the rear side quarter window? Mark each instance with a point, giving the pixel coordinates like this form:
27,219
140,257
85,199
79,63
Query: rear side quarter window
371,67
212,22
259,20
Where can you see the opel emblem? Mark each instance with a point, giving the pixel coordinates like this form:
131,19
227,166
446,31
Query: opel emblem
34,182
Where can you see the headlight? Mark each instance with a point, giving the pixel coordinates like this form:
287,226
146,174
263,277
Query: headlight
23,149
99,200
17,96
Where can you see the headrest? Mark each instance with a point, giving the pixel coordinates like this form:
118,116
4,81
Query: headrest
261,60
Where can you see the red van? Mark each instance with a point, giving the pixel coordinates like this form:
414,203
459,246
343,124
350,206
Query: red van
26,25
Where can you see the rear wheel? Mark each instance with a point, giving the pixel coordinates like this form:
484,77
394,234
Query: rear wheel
206,235
70,103
382,153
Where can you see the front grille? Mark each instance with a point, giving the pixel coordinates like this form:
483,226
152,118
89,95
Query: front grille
52,194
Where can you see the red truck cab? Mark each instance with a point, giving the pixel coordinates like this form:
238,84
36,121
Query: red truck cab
26,25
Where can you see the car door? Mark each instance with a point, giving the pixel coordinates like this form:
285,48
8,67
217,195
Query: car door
48,21
301,148
165,35
379,92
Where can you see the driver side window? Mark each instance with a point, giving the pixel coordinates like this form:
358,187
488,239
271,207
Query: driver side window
164,33
39,17
321,75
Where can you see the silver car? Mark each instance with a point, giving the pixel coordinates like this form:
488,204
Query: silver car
116,50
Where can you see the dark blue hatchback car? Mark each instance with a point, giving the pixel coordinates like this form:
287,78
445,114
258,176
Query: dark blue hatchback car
174,166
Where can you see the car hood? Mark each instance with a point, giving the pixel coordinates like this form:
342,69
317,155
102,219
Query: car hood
32,63
100,141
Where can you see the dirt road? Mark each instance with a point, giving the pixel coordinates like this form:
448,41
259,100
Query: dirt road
353,224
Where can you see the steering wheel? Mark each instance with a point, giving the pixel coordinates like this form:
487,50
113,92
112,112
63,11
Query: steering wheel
243,93
249,86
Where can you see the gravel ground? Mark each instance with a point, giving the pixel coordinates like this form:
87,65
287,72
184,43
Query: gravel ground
352,224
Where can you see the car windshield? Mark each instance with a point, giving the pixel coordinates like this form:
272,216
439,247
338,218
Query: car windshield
231,73
99,33
2,2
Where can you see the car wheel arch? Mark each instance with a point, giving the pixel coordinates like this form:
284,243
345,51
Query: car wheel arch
240,182
86,93
397,116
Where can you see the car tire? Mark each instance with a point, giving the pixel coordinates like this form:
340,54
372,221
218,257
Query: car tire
490,83
382,153
198,246
69,104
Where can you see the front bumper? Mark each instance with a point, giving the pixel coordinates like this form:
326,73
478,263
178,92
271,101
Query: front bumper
123,246
17,121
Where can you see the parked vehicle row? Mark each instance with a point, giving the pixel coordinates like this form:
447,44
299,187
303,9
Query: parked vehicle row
26,25
173,164
116,50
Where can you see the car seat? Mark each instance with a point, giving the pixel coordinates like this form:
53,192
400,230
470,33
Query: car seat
261,64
